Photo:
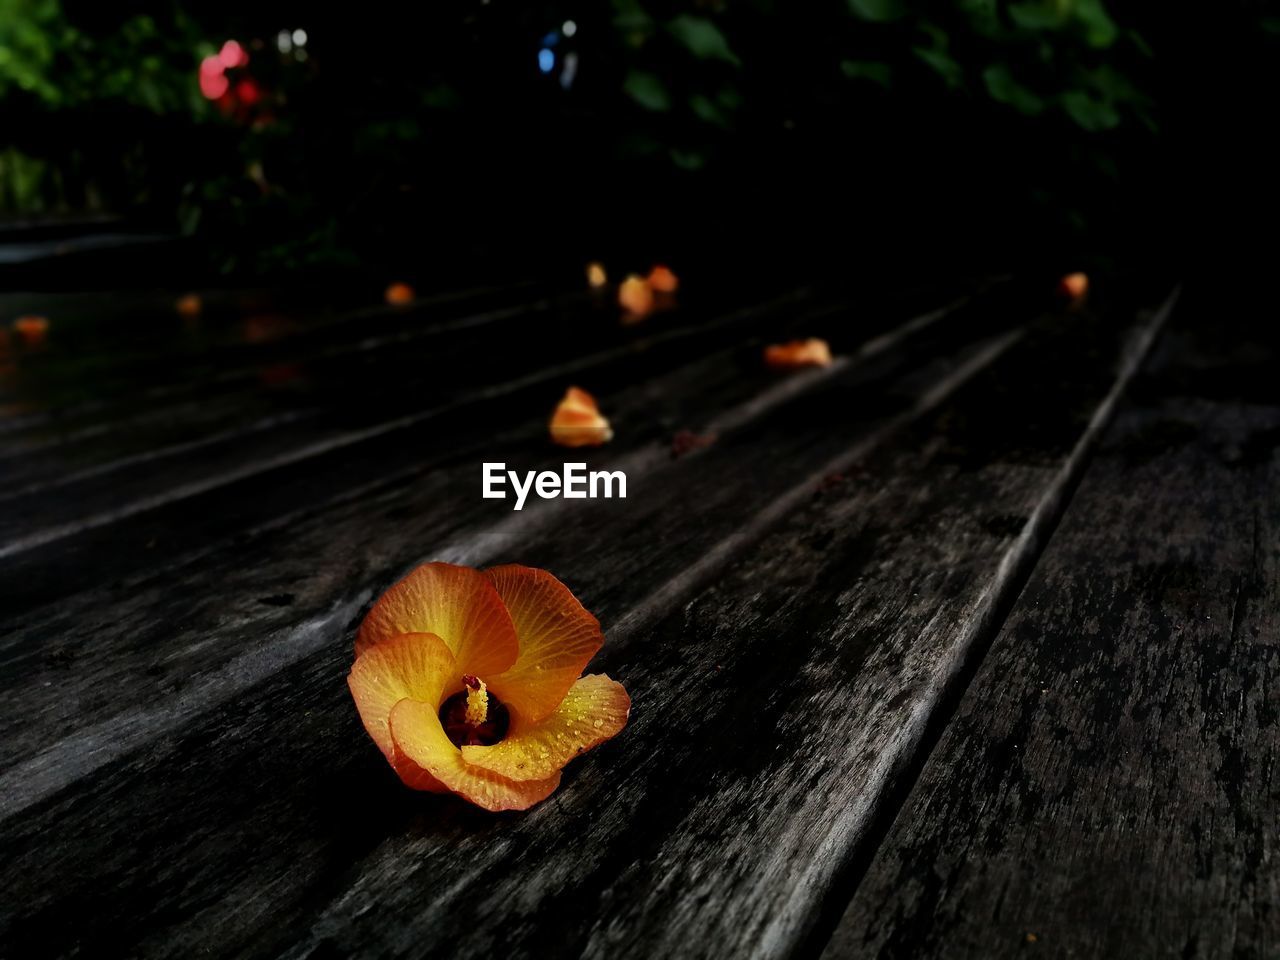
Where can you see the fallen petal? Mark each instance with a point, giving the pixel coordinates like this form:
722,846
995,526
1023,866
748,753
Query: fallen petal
398,294
812,352
577,421
635,296
663,280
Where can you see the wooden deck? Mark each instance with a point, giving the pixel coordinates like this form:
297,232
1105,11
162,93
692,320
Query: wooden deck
964,646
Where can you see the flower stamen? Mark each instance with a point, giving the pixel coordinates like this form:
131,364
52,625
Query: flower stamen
472,718
477,700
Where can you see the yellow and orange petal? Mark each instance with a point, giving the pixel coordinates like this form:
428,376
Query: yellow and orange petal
457,604
557,638
1074,288
794,354
398,294
416,666
577,421
635,296
420,737
595,709
662,280
596,275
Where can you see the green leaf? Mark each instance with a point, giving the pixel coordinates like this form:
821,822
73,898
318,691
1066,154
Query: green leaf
872,70
628,15
647,90
1099,29
942,64
1040,14
1005,89
1092,115
937,57
984,17
702,38
687,159
878,11
707,110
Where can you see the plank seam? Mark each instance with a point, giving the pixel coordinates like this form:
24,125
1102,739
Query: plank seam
937,707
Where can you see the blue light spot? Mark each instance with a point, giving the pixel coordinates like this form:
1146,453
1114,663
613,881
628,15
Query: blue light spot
546,60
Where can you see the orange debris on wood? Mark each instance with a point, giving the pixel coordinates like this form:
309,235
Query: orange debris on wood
577,421
686,441
1074,288
398,294
812,352
189,305
32,330
635,296
663,280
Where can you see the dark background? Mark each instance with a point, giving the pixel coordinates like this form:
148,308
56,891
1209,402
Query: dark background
833,137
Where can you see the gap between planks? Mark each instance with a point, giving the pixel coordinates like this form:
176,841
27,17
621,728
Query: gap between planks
350,438
15,424
903,772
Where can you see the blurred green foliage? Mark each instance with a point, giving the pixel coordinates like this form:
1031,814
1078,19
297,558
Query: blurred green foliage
101,110
56,76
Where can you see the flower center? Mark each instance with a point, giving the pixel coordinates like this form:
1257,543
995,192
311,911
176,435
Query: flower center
472,717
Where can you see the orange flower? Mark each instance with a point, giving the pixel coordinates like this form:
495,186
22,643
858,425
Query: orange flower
596,277
398,294
577,421
663,280
32,330
1074,288
469,682
798,353
635,296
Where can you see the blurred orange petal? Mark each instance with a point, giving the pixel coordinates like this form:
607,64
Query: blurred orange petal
635,296
812,352
577,421
457,604
398,294
189,305
557,638
595,709
1074,287
32,330
419,736
596,276
663,280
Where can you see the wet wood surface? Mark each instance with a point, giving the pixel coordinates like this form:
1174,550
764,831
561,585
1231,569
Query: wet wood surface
185,553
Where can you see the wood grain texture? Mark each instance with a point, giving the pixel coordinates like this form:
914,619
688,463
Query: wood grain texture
775,690
1108,787
200,495
164,641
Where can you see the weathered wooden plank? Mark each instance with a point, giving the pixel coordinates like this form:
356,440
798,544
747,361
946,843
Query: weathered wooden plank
135,655
110,349
386,402
715,821
1108,787
302,383
208,505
